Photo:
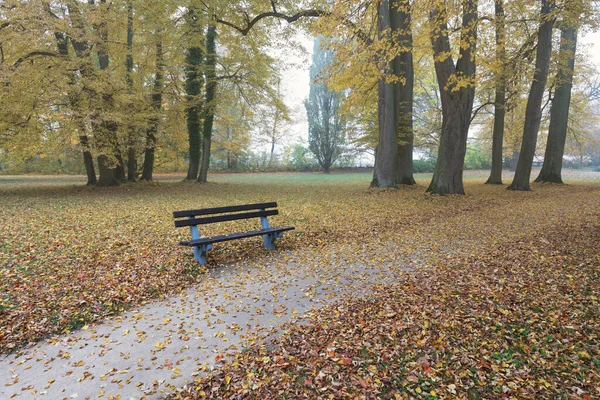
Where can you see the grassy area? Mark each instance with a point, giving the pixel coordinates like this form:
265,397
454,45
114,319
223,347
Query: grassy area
70,254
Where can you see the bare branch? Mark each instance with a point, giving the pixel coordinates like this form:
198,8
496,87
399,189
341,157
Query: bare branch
35,54
289,18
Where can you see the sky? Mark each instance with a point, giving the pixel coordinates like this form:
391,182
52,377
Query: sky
296,79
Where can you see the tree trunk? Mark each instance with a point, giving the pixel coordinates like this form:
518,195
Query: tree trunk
500,100
533,112
457,103
193,87
74,100
403,69
106,135
131,152
148,168
88,161
386,159
559,112
209,106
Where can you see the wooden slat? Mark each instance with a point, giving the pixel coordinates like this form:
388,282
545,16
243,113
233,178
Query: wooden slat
223,218
233,236
221,210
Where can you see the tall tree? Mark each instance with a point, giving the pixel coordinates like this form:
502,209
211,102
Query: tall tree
400,18
152,131
386,154
500,97
193,87
559,112
457,91
533,112
131,137
325,124
210,71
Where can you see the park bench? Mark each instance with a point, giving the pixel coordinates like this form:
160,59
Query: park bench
201,245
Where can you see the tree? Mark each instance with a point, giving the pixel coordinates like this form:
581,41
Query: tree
500,98
533,112
325,125
559,112
209,100
457,90
193,87
400,18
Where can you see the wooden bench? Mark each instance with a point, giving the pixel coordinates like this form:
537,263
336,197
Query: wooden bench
232,213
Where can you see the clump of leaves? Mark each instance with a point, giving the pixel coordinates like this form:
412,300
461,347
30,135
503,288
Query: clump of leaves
520,321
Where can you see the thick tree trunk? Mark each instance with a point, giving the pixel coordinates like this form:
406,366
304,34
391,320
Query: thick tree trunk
131,152
88,161
559,112
106,132
404,70
457,103
193,86
386,158
533,111
500,99
148,168
209,106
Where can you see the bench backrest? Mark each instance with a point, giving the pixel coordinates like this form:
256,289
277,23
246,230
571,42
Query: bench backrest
232,213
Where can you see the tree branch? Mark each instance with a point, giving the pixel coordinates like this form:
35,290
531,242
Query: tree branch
289,18
481,107
35,54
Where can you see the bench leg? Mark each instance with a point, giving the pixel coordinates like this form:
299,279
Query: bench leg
269,239
200,253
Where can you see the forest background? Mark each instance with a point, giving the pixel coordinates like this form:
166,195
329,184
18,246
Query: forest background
126,84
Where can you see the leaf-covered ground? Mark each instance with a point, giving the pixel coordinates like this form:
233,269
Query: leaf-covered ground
71,255
521,321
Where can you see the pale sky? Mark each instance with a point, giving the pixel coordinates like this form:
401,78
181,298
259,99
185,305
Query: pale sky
296,79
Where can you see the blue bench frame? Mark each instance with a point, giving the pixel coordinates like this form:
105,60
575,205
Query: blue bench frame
231,213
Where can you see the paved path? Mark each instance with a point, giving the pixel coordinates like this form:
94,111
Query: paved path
148,351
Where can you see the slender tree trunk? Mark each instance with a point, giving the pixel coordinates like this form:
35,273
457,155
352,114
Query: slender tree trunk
209,106
148,168
131,152
386,159
500,99
559,112
457,103
533,111
403,69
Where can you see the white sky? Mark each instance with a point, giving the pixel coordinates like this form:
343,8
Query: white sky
296,79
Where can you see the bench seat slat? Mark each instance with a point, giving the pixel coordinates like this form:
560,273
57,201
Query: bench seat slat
221,210
233,236
223,218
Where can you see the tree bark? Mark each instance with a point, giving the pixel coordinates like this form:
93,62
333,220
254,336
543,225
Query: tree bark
559,112
106,136
88,160
386,156
148,168
457,103
500,98
81,48
193,87
131,152
403,69
209,105
533,111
